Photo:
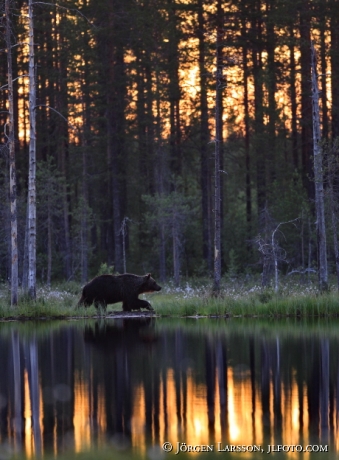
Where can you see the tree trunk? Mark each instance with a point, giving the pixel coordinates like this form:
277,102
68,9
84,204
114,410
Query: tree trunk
12,166
61,128
49,239
306,103
259,148
159,181
84,195
150,125
331,165
116,211
25,257
32,163
217,157
247,135
84,217
162,252
116,92
86,143
309,255
335,233
302,238
293,97
174,95
272,86
323,59
334,53
318,179
123,232
176,259
204,139
176,247
65,210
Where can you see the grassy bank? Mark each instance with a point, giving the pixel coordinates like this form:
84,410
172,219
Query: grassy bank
192,298
254,302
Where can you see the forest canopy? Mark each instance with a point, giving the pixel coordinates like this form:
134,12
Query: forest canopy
125,134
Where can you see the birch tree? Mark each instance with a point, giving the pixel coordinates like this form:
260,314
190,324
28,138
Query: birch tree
12,167
31,199
318,179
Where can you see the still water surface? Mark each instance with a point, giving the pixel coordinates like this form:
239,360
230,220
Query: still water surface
70,386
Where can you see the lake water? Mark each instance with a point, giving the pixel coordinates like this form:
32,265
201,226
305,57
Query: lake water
200,384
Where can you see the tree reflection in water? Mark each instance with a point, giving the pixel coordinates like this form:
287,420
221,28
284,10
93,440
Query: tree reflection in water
141,382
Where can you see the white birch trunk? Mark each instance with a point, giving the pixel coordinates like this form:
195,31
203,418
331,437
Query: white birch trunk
318,180
32,163
12,168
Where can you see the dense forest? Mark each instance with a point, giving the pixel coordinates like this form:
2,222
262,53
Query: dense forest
125,135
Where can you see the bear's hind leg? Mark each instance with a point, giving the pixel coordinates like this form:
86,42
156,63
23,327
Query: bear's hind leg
125,306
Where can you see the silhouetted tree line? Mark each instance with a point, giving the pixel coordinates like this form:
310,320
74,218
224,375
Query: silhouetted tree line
125,125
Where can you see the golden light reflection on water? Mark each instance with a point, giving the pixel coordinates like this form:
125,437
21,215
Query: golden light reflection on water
183,414
198,399
195,428
171,407
28,419
138,419
245,426
32,435
81,419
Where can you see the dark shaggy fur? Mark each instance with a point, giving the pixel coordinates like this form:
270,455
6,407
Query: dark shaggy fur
107,289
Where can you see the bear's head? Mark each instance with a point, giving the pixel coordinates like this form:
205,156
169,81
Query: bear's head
149,284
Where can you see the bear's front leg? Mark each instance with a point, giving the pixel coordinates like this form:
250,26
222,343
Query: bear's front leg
149,306
143,304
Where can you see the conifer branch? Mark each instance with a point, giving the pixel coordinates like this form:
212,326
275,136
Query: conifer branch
66,8
56,111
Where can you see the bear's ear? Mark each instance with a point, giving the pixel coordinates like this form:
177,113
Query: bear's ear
148,276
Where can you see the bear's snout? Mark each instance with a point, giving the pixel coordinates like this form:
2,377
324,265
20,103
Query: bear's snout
156,287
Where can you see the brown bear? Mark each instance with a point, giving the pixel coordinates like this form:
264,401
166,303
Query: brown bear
107,289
